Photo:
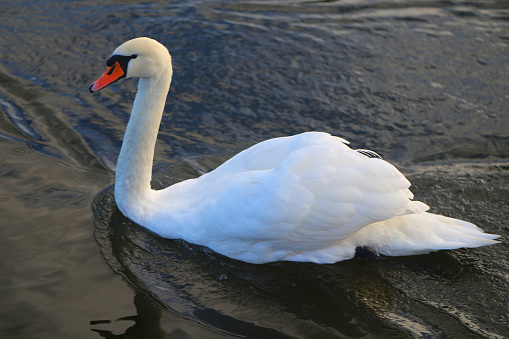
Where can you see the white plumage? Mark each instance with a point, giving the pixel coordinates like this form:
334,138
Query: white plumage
307,197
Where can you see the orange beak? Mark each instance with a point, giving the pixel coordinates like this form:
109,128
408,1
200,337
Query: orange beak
111,75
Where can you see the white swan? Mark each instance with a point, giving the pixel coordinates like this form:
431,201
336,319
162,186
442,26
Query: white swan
307,197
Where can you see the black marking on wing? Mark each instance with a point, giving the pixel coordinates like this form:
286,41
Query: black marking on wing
368,153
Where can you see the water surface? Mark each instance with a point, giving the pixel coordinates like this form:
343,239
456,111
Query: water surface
423,83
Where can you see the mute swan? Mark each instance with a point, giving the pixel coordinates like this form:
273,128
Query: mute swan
307,197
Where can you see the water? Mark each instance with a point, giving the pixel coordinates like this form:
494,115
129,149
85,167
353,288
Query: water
424,84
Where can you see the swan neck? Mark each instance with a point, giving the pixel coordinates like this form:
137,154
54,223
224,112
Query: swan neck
134,166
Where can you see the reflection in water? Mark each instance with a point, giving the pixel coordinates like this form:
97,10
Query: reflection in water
225,297
147,323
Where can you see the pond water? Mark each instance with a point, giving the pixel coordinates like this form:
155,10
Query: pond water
423,83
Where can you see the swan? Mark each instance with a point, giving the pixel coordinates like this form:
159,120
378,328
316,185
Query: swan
307,197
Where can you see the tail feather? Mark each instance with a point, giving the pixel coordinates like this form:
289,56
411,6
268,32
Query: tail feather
421,233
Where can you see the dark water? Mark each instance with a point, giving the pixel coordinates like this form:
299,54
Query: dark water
423,83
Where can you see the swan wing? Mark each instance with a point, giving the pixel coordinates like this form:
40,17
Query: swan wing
315,198
271,153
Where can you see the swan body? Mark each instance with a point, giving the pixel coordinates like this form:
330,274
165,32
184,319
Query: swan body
307,197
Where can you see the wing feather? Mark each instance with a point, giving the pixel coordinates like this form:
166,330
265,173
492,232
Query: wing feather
319,194
304,193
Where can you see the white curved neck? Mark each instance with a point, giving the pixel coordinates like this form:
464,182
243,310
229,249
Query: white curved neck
134,166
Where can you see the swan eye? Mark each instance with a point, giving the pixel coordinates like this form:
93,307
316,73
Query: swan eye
134,56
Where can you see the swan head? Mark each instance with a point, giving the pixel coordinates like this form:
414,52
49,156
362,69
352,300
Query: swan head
136,58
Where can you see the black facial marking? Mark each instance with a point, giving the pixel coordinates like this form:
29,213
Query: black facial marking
123,60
